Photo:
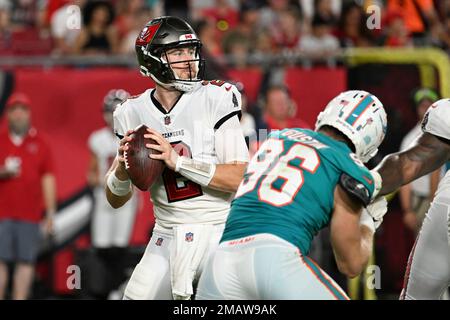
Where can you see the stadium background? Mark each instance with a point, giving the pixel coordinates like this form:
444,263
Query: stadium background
67,90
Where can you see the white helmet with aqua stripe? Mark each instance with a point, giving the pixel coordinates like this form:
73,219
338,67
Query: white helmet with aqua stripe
361,117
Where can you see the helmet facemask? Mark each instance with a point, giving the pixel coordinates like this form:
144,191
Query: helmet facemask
168,76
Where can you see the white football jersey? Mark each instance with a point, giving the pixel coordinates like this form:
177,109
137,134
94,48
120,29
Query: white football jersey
437,119
104,144
190,126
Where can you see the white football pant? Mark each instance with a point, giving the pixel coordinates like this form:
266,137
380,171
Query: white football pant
151,279
262,267
428,271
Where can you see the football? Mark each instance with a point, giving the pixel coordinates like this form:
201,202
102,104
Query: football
143,170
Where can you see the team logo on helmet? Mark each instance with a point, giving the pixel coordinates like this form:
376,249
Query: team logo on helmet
147,34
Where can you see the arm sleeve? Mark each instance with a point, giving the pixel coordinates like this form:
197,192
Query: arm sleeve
355,188
230,142
357,180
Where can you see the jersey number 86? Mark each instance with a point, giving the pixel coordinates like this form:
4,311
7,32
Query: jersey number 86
279,178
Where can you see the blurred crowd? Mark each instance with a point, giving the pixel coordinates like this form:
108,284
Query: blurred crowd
232,32
235,29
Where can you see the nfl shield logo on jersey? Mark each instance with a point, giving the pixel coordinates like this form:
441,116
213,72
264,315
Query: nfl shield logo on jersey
167,120
189,237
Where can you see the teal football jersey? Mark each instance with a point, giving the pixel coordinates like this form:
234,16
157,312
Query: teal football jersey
288,187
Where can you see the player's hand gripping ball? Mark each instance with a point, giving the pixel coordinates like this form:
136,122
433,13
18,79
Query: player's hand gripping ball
143,170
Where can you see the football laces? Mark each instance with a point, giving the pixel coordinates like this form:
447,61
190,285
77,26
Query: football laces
125,155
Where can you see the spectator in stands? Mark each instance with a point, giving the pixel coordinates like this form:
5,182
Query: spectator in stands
5,26
270,15
237,48
65,26
247,31
287,36
198,6
327,10
447,33
352,30
396,33
128,42
418,15
321,42
279,110
440,34
223,16
206,31
442,9
27,14
416,197
127,13
26,182
177,8
98,35
270,19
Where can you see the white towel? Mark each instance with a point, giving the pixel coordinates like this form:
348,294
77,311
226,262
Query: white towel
190,243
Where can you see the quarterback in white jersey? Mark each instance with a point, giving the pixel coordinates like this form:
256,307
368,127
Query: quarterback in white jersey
196,127
109,227
428,271
190,127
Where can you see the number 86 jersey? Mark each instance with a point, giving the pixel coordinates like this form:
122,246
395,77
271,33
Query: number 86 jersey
288,187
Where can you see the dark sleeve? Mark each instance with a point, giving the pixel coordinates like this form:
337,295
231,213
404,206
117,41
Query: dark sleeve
355,189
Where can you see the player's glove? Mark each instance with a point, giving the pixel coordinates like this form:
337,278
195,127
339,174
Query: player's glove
374,211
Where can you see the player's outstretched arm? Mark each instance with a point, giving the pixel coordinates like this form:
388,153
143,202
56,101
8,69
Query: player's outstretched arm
228,176
118,187
426,155
351,241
